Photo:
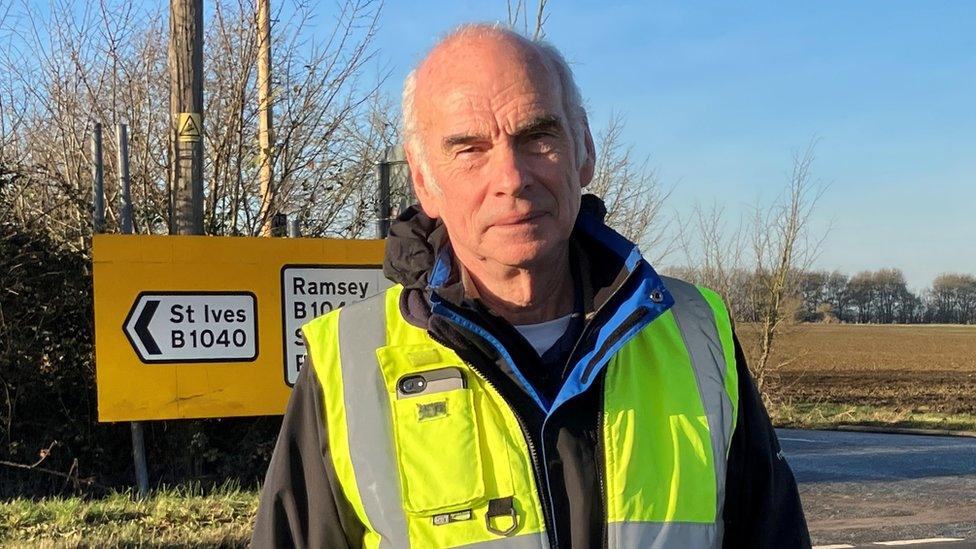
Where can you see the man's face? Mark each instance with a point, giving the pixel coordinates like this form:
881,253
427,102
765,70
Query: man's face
499,147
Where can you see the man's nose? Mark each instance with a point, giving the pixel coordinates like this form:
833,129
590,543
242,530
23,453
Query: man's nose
511,176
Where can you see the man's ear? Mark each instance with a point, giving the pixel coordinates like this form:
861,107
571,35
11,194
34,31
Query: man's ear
420,188
589,165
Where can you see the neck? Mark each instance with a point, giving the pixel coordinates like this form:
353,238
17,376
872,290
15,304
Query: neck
523,295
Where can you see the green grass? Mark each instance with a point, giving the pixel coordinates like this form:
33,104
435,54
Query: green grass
168,518
826,415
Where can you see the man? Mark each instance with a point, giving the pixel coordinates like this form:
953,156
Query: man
530,381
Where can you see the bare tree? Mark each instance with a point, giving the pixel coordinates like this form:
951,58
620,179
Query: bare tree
323,115
715,250
758,264
782,248
861,293
892,295
812,290
518,16
632,192
836,295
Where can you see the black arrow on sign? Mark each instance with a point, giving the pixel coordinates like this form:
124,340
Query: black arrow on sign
142,327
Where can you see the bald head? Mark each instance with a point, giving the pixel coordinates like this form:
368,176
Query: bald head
476,50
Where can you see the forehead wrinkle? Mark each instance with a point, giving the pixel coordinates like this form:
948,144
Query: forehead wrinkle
523,113
541,96
464,113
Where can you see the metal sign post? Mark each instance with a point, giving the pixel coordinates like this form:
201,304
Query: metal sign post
383,204
122,139
135,428
391,174
98,182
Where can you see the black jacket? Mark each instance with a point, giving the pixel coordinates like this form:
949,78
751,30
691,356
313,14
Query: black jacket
301,504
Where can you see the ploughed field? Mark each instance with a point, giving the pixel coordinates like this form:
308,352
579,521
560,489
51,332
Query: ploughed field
914,368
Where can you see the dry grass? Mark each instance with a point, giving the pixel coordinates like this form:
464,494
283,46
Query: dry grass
827,415
169,518
921,375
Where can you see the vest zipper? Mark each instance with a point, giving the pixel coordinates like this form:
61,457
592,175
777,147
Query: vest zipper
533,453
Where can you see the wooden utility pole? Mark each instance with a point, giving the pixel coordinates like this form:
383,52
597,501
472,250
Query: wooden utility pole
265,136
186,112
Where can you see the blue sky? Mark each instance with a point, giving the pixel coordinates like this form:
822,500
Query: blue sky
720,95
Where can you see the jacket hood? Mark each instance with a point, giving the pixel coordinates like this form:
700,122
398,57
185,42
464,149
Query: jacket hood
411,247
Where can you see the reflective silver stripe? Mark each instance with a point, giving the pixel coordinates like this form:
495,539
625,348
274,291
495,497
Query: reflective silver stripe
527,541
362,330
696,320
664,535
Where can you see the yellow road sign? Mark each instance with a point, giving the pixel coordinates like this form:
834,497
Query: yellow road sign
201,326
189,126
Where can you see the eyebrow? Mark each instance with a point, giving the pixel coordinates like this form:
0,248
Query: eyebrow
539,123
452,141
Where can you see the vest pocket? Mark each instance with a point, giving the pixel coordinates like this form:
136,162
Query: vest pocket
438,451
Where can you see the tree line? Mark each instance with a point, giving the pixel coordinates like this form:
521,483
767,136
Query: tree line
883,297
867,297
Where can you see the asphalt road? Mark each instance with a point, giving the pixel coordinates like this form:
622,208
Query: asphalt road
862,488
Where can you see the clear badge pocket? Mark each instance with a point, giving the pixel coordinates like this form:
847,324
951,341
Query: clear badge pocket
438,451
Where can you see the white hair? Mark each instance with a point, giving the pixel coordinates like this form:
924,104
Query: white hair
571,97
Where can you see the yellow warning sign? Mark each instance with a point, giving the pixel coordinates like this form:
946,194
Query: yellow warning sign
206,327
190,127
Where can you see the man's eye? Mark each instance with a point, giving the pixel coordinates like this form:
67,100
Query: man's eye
541,143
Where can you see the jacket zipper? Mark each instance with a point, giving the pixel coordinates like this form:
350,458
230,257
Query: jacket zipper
601,473
533,453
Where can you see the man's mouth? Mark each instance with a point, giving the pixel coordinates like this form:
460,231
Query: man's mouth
518,219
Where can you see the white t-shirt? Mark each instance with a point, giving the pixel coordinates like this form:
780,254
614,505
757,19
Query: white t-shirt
544,335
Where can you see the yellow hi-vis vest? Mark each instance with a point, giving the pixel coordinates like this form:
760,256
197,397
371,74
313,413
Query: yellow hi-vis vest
453,468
